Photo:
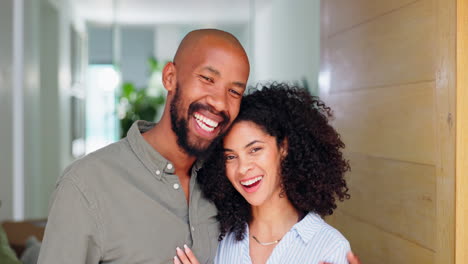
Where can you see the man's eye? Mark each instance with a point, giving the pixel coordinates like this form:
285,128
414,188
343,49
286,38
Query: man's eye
234,92
206,78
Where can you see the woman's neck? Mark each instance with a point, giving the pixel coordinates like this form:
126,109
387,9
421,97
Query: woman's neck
272,220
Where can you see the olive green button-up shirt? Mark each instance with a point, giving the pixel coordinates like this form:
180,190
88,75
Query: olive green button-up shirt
124,204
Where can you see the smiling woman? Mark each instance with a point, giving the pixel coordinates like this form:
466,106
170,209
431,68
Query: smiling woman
278,170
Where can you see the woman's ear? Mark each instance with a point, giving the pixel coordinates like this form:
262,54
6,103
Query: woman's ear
169,76
284,148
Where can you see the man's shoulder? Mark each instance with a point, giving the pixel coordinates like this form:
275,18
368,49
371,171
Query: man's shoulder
85,168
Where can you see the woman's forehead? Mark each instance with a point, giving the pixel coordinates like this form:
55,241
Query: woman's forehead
244,132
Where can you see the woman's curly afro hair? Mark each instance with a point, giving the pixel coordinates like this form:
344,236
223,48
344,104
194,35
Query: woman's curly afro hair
313,170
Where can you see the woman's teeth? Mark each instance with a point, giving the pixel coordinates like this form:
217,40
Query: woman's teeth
251,181
205,123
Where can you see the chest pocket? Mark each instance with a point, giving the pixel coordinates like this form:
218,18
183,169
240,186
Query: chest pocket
206,239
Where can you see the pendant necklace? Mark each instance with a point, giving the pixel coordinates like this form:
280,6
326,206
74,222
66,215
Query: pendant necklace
266,243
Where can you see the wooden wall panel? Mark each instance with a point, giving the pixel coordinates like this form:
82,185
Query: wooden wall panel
444,113
396,195
391,122
388,72
376,246
352,13
396,48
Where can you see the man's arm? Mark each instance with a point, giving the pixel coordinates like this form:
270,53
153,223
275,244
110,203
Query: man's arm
72,233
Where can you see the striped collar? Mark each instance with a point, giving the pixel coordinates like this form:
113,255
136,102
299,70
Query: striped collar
308,226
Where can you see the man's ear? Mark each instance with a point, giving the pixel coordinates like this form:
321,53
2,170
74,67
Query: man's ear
169,76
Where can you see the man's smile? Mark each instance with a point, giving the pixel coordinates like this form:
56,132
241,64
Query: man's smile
205,123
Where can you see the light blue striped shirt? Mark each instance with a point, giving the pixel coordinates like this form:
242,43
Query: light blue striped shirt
309,241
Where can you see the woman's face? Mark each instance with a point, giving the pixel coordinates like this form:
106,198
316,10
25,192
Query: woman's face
253,160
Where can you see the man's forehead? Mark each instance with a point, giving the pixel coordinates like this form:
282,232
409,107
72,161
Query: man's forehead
207,45
215,59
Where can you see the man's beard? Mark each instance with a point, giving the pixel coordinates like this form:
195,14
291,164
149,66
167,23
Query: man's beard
180,127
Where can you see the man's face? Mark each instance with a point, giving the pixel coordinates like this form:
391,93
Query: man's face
207,97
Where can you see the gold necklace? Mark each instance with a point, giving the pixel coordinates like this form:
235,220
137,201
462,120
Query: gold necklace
266,243
300,216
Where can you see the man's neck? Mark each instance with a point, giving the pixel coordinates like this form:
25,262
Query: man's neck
163,139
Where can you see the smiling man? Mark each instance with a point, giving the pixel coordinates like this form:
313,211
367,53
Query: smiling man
136,200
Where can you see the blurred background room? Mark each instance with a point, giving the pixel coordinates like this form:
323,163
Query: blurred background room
74,74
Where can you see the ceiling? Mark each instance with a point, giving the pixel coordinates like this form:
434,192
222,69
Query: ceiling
151,12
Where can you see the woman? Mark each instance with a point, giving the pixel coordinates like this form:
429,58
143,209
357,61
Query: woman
279,170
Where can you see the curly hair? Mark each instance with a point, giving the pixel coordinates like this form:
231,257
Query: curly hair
312,172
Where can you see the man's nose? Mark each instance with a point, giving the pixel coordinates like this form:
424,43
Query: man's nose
217,99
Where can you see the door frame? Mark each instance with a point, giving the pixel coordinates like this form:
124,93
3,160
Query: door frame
461,229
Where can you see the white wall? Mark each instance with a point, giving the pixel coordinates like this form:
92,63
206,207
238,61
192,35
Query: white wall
6,146
134,61
32,112
166,41
64,89
286,41
167,37
54,148
45,85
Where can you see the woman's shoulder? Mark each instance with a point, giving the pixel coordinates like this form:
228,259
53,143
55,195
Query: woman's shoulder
316,229
230,241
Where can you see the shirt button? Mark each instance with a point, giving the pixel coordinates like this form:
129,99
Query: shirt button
169,166
176,186
158,172
193,228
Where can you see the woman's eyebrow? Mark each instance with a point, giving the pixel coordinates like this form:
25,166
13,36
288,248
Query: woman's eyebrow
253,142
246,146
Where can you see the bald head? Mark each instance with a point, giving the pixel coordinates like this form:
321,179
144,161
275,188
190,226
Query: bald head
206,38
205,84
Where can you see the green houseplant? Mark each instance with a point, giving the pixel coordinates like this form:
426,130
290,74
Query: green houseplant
141,103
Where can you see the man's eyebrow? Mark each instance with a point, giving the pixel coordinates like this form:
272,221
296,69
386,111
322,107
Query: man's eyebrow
239,84
212,70
217,73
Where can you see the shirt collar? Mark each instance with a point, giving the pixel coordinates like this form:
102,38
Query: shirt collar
198,164
150,158
308,226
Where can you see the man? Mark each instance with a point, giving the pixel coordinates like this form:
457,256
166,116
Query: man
136,200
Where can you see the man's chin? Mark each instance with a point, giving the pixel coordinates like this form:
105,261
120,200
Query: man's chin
199,147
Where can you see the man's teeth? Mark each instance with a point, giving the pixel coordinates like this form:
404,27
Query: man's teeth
207,122
251,181
203,126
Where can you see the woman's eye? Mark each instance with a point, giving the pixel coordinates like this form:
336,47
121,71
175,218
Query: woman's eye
229,157
255,149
